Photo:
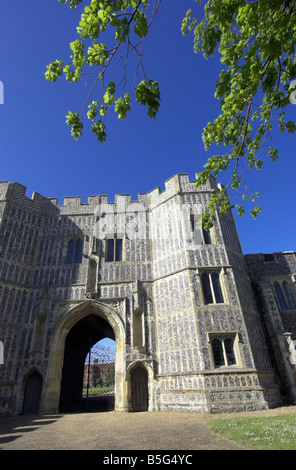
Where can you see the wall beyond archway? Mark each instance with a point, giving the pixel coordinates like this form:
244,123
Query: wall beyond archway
72,332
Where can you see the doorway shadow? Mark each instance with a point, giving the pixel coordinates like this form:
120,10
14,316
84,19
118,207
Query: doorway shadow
98,403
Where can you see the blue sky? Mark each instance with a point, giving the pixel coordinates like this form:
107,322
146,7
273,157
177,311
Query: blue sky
37,150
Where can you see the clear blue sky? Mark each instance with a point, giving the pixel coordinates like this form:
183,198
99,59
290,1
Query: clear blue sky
38,151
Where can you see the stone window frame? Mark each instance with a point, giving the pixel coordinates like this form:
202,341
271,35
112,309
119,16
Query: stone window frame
75,239
281,295
220,272
228,356
207,236
114,238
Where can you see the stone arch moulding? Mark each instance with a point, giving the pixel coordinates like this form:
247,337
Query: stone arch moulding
52,386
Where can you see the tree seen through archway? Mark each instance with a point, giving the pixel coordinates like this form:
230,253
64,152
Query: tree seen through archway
99,375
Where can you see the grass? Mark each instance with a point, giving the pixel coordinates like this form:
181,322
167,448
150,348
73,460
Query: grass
259,433
97,390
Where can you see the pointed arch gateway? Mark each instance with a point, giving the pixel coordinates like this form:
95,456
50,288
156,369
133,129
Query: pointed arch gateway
70,342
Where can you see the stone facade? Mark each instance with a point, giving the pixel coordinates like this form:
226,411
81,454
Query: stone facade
198,326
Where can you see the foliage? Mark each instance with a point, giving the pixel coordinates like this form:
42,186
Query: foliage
261,433
128,19
256,41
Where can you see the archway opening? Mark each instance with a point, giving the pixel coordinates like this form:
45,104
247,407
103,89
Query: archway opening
80,339
99,376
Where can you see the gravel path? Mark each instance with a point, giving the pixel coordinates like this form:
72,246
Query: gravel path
110,431
118,431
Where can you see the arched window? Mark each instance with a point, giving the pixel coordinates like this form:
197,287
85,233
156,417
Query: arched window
289,295
206,237
114,249
280,297
74,251
228,345
201,236
218,353
70,251
206,286
78,251
211,288
223,351
217,288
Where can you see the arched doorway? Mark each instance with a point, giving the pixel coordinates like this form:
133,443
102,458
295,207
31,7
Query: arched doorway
32,393
80,339
139,389
58,351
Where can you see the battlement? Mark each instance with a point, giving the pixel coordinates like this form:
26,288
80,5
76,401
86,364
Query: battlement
16,193
176,184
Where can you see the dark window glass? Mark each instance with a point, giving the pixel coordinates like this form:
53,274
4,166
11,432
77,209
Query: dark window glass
110,249
78,251
228,345
217,288
289,295
70,251
206,237
206,286
218,353
280,296
118,254
74,251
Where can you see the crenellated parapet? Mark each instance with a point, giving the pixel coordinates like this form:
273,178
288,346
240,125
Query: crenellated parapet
179,183
15,193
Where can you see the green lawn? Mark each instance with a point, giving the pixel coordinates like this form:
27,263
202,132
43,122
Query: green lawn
261,433
97,390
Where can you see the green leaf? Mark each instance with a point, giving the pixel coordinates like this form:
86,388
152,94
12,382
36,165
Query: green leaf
74,121
148,94
93,111
122,105
98,128
141,27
